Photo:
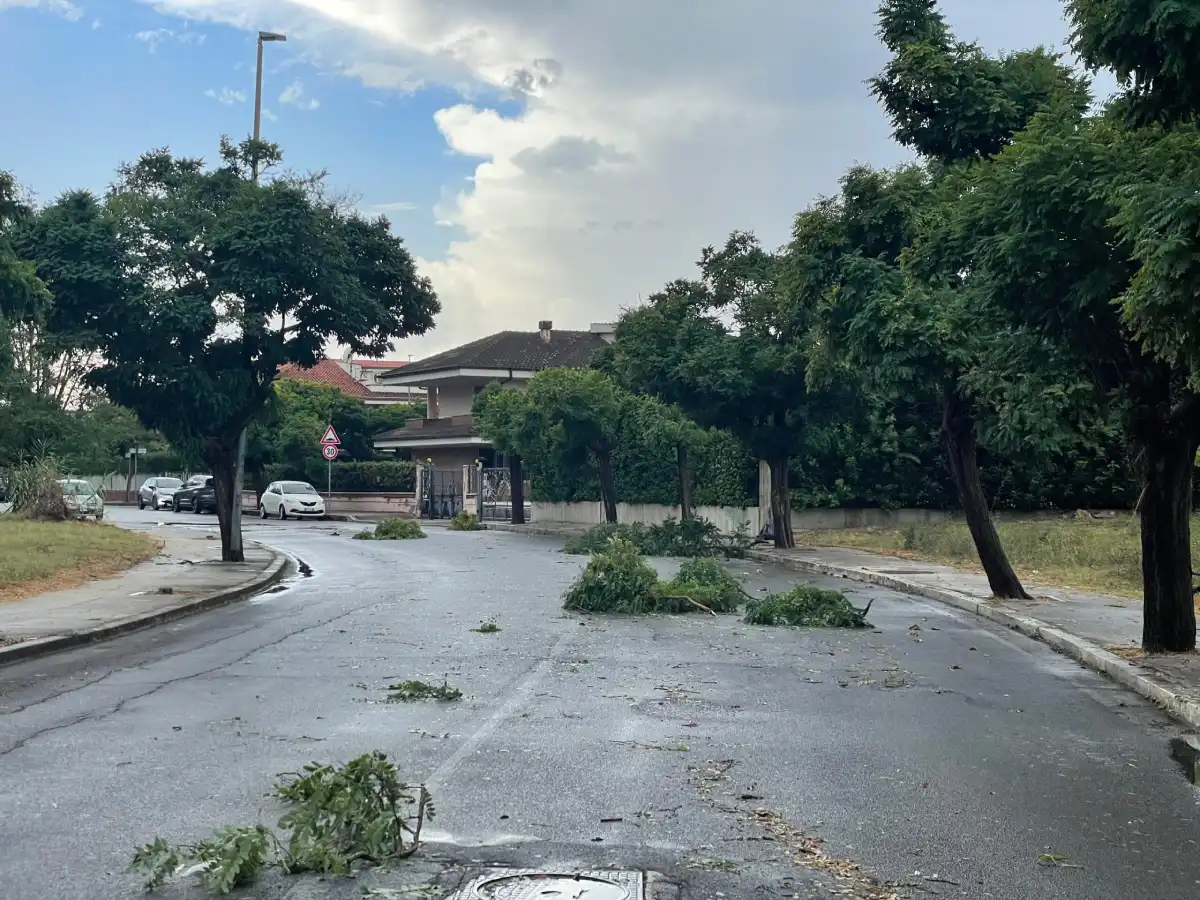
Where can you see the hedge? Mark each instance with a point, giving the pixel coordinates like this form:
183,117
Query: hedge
391,476
851,470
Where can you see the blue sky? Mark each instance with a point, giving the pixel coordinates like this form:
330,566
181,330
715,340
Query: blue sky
95,94
544,159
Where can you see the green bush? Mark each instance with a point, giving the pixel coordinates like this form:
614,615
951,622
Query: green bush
807,606
707,582
465,521
393,530
385,477
691,538
34,491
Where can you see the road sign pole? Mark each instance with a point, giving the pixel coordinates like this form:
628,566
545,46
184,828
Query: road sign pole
328,480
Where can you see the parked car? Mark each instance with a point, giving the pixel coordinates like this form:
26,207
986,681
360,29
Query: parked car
157,493
291,498
205,498
185,496
81,499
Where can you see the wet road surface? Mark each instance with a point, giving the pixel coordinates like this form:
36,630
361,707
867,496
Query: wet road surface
941,754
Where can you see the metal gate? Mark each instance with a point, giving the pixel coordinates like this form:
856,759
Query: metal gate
442,495
495,495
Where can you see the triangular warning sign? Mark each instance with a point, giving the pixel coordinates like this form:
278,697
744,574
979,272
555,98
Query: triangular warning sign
331,437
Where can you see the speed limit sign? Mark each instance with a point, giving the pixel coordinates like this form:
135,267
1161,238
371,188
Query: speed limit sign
330,452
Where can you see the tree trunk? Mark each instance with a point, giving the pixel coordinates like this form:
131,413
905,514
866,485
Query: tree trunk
516,490
1168,617
781,503
608,486
686,503
222,462
962,449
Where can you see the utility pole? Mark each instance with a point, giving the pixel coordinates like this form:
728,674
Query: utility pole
239,472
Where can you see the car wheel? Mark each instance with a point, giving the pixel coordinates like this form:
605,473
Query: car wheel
282,514
262,511
141,502
99,517
174,506
196,507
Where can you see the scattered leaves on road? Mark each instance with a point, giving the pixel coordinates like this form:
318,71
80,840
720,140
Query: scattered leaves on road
413,691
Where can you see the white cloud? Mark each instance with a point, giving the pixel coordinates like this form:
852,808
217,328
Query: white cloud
649,128
294,95
269,115
154,37
64,8
228,96
398,206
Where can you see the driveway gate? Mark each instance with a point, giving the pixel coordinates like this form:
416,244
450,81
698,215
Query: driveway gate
442,493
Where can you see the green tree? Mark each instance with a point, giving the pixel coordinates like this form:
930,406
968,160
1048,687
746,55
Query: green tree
213,281
566,415
729,351
1085,232
956,107
502,415
1151,46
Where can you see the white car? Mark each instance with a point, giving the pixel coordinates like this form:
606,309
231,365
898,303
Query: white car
81,499
291,498
156,493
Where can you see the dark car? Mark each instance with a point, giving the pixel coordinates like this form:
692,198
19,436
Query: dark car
185,497
205,498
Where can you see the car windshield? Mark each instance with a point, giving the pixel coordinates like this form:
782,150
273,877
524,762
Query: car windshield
77,489
199,479
169,482
298,487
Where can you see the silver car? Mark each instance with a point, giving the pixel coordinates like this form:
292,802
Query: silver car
82,499
156,493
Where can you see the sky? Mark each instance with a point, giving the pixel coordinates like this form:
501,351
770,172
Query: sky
542,159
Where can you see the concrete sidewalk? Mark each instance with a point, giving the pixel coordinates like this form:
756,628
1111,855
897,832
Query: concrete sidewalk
186,576
1100,631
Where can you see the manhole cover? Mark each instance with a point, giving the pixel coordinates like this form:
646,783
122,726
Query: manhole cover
534,885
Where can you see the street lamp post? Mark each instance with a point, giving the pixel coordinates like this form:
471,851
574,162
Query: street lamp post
239,472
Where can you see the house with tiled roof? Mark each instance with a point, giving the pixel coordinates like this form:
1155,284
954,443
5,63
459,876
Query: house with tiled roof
343,375
447,437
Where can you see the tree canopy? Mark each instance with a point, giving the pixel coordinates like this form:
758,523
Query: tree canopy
196,284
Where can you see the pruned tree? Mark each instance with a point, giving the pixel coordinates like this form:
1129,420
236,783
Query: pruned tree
207,282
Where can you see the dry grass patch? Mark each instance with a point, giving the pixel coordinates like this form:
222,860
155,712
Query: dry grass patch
1081,553
38,557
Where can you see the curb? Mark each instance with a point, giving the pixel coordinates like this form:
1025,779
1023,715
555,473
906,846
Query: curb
53,644
1089,654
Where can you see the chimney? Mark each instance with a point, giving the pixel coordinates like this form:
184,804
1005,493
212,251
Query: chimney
545,328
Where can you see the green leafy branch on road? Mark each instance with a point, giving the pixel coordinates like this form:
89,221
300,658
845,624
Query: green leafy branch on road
411,691
807,606
393,530
617,579
337,816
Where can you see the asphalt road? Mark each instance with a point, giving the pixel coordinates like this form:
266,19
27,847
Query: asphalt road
946,759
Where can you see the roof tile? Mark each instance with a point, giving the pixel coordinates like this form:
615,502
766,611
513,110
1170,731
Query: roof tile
328,373
515,350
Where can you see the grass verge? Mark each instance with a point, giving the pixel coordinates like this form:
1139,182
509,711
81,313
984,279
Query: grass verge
39,557
1083,553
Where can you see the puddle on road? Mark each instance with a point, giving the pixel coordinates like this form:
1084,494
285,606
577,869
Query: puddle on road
305,569
1186,753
